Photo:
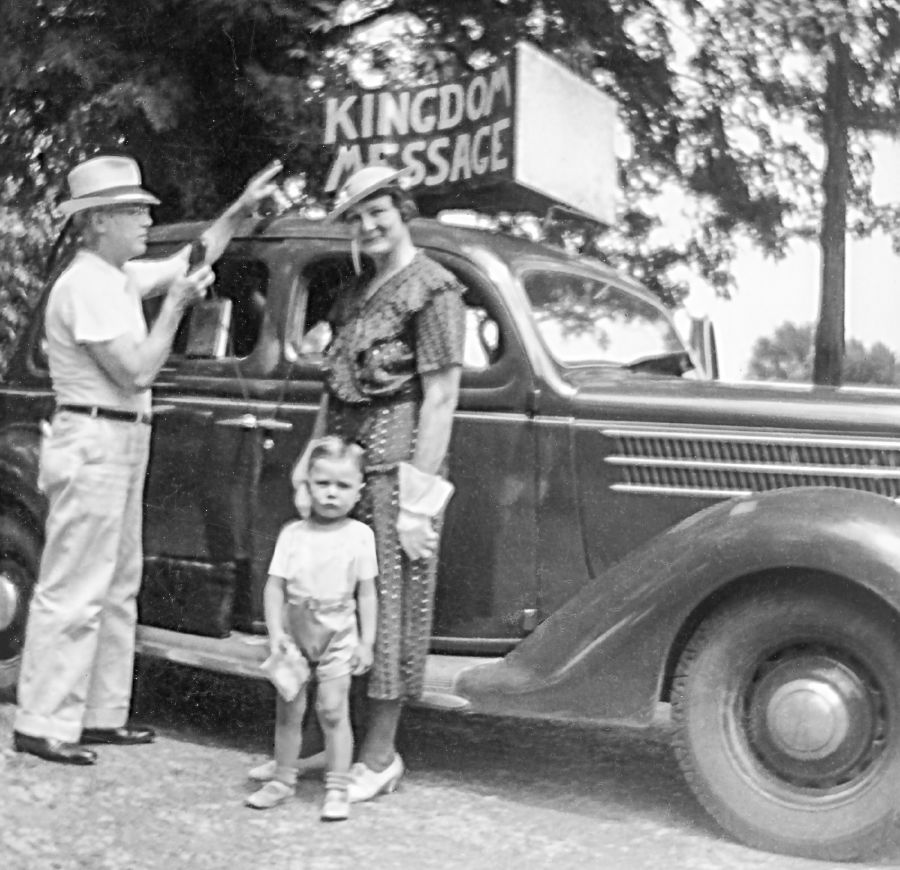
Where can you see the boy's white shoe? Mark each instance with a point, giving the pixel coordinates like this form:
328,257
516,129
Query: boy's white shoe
270,795
336,806
266,771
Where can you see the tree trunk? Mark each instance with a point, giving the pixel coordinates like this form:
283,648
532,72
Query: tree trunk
830,329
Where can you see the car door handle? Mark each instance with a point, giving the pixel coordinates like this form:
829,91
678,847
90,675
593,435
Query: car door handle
251,421
181,411
273,425
163,409
245,421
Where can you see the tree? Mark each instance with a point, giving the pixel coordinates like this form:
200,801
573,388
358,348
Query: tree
874,365
786,356
830,68
789,356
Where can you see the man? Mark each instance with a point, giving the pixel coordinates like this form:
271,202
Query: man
77,663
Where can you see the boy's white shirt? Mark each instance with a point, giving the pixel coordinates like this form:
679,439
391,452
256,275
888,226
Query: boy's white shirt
324,562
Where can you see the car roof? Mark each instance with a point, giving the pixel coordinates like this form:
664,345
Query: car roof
427,232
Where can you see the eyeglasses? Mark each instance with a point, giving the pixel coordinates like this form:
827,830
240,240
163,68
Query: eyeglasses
130,210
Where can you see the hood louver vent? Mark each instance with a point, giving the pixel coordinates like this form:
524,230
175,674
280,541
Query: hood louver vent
723,464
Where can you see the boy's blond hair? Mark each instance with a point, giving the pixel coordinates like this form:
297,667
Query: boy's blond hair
335,447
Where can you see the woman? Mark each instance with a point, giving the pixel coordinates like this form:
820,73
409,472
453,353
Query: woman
391,383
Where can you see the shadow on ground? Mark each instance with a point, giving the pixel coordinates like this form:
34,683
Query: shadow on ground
544,763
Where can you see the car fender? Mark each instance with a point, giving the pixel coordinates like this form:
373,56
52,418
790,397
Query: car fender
19,452
603,654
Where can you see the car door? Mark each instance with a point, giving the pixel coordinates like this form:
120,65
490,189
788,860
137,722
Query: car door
487,590
204,481
629,382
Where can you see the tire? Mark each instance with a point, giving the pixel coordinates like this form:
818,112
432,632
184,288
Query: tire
19,560
786,707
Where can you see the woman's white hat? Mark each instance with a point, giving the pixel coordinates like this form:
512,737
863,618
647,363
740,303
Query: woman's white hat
361,185
105,181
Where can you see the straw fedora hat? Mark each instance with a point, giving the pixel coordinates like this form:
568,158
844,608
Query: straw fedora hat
363,184
104,181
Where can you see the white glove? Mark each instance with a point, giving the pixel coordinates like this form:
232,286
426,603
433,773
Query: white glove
422,497
423,493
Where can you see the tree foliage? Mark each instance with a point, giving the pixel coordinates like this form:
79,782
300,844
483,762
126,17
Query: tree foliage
788,355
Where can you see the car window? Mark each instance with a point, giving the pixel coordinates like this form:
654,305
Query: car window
322,278
482,342
585,321
235,308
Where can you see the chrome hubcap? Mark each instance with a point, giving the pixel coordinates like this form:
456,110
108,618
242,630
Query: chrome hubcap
814,718
9,601
807,719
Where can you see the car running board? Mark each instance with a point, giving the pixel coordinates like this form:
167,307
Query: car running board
241,654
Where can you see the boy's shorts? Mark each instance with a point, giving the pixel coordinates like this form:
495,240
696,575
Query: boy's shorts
326,635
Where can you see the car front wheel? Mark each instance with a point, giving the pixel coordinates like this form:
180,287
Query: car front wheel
787,714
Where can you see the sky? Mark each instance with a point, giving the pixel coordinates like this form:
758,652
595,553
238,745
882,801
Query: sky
771,292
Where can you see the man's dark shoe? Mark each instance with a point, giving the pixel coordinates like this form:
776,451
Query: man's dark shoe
53,750
127,735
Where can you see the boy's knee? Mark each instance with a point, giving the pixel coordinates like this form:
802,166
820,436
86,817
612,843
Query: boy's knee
331,710
290,712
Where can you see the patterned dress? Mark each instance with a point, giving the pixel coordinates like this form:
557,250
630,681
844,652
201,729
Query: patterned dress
411,325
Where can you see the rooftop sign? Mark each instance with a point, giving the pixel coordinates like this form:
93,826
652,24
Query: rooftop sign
520,135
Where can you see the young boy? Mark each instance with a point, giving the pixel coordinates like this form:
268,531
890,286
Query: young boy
322,568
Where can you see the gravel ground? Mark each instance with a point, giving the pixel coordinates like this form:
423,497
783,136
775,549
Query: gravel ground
480,793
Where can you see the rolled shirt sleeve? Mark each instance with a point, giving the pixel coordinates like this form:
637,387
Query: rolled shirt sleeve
440,330
154,275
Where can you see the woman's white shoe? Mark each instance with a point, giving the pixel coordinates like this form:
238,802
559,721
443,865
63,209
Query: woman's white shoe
366,783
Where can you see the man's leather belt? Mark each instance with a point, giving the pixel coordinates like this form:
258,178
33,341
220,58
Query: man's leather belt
107,413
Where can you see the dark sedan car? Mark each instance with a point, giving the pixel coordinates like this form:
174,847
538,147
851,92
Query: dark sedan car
625,531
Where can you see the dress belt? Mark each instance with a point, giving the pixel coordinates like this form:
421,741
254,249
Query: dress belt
107,413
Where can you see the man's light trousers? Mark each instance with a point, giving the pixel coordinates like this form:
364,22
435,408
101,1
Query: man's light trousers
78,660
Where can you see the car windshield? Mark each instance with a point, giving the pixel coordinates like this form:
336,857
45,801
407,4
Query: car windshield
588,322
